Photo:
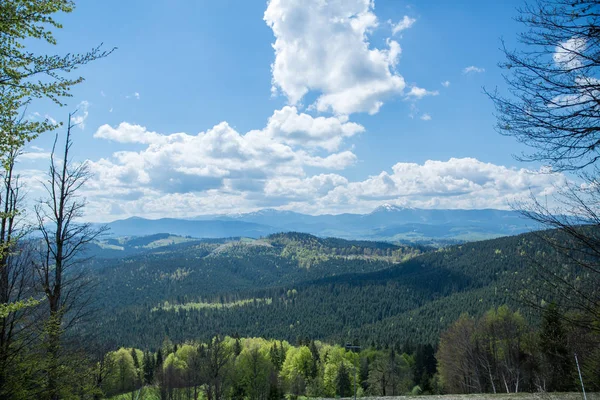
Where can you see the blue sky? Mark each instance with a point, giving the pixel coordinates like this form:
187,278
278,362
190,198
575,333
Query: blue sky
321,107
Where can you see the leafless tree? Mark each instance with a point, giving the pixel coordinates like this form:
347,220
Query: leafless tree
570,270
554,85
553,106
58,269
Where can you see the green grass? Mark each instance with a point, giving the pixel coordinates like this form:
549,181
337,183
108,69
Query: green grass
151,393
511,396
147,393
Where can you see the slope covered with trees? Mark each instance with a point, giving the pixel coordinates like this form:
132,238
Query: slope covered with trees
297,286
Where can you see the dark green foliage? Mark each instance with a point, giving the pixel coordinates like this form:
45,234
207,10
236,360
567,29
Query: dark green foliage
149,368
557,359
425,366
343,385
276,357
370,299
159,359
237,349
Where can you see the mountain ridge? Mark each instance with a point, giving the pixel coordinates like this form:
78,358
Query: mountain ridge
387,222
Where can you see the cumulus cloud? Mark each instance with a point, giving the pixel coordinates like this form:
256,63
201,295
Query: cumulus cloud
426,117
456,183
185,177
128,133
473,70
403,24
323,47
301,129
222,158
446,84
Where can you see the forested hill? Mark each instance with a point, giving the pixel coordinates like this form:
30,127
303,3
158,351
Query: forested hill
296,286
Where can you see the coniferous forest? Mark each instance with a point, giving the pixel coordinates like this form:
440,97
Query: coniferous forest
89,315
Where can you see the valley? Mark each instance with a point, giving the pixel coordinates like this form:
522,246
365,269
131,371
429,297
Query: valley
304,286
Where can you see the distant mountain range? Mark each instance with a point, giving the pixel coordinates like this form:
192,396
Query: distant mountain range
386,222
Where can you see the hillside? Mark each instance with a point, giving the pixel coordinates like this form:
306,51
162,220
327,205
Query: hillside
291,286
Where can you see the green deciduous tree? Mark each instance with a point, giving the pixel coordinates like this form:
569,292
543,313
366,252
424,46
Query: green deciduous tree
25,75
255,371
122,375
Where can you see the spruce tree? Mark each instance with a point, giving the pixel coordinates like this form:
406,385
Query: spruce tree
343,385
148,368
553,343
237,348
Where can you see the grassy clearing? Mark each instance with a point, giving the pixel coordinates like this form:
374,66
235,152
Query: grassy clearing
171,240
215,306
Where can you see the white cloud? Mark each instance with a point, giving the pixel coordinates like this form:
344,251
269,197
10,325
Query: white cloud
127,133
473,69
426,117
81,114
456,183
293,188
32,156
135,95
419,93
584,92
446,84
222,158
568,54
220,171
324,47
295,128
403,24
